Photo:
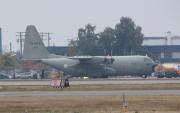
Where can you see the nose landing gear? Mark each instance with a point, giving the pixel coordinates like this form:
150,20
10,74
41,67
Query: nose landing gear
144,76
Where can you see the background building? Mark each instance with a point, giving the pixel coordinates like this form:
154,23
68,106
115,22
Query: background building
0,41
163,49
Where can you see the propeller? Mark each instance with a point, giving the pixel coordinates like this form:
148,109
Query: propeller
108,58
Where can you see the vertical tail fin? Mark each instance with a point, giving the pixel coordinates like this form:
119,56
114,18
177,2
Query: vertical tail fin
34,48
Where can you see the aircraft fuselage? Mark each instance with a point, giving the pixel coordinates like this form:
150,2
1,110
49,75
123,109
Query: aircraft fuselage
121,65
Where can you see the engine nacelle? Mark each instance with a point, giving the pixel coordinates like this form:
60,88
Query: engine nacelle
109,71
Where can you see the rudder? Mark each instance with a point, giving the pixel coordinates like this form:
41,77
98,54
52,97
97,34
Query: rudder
34,48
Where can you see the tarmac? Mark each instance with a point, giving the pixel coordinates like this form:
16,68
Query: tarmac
93,93
92,81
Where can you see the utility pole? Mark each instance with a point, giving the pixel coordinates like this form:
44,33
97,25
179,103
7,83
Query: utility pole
21,36
20,41
49,38
10,47
42,34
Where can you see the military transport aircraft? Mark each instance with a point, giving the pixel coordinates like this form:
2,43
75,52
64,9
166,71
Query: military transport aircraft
99,66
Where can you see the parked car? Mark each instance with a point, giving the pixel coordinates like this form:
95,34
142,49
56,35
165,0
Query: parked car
3,76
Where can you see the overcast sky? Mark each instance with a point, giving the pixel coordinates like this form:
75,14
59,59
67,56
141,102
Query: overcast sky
64,17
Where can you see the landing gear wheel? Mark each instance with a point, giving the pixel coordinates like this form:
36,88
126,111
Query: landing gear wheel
144,76
66,82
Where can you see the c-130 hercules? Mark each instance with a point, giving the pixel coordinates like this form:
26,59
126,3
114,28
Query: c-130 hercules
93,66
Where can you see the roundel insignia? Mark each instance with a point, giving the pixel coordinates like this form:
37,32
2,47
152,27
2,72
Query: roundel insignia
65,65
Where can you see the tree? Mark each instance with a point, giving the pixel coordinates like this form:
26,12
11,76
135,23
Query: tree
72,48
128,37
87,41
8,62
138,40
125,39
107,40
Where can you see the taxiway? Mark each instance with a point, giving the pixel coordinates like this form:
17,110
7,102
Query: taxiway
92,81
94,93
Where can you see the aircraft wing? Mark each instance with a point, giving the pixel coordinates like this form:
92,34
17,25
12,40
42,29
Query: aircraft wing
91,59
82,59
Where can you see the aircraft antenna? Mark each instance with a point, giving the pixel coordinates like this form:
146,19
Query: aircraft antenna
20,40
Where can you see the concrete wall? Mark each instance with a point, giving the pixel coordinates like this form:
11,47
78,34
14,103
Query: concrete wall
176,55
151,42
175,40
